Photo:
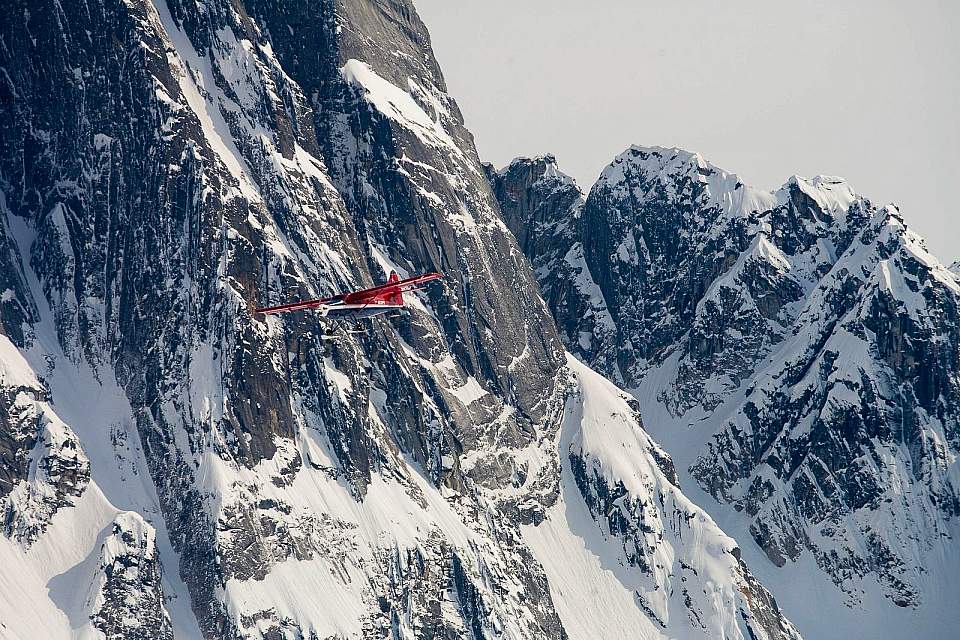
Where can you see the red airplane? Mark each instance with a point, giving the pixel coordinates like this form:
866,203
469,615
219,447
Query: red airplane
357,305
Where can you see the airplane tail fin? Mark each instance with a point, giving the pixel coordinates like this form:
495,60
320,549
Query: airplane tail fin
394,297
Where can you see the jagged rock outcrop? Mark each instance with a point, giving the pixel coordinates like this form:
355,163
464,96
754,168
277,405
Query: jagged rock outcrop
42,464
795,350
656,233
533,195
126,599
543,207
866,399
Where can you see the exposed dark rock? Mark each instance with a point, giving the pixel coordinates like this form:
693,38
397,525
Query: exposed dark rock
128,603
827,314
43,467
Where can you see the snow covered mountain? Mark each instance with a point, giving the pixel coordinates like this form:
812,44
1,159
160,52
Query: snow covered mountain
797,352
173,466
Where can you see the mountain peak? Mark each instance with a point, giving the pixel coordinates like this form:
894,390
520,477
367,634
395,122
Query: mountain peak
533,193
675,173
831,193
796,352
544,167
894,234
654,160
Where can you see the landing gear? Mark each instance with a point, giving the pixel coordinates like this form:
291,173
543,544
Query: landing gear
333,332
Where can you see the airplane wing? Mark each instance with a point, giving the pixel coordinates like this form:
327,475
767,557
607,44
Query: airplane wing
353,297
391,287
295,306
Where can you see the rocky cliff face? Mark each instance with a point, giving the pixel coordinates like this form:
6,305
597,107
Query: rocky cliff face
174,465
797,351
44,467
126,599
543,207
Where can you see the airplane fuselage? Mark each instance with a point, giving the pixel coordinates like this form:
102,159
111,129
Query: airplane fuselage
357,311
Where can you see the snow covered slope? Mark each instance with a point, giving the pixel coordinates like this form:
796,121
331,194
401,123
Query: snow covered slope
172,465
797,352
640,559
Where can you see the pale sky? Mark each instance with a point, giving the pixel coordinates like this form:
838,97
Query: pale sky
868,90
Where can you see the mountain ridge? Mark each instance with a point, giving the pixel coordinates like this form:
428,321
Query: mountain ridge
755,272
